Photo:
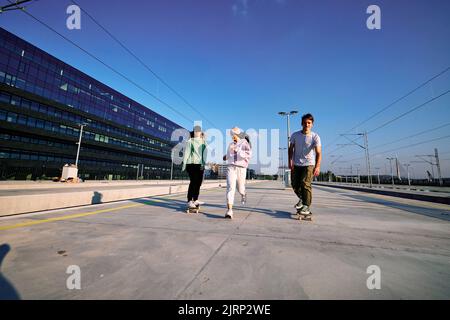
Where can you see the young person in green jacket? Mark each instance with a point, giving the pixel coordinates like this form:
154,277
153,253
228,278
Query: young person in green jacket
194,160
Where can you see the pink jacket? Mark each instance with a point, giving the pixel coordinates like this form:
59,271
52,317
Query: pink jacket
241,154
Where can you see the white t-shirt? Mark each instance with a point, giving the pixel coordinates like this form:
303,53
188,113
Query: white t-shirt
304,148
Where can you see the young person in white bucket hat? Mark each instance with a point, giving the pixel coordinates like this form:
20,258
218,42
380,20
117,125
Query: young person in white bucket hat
238,156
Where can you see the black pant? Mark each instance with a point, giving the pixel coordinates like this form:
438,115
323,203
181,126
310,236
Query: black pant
196,178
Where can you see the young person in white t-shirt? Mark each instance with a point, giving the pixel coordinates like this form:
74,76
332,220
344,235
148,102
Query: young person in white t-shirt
305,155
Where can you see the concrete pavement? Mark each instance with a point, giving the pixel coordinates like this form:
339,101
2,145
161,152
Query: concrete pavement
149,248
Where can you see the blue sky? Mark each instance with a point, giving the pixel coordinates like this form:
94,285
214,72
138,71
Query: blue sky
240,62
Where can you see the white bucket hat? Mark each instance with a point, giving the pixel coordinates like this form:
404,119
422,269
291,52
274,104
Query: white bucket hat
235,131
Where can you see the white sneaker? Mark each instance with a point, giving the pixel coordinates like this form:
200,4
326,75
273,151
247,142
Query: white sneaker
191,205
298,206
305,210
229,214
198,203
244,199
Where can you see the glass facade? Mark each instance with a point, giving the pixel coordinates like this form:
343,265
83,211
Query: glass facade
43,101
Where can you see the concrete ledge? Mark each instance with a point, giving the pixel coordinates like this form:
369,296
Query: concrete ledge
30,185
74,197
400,194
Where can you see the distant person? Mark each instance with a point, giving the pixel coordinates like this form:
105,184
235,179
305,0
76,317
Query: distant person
194,160
305,155
238,156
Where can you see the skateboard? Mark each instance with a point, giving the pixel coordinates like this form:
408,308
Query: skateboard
193,210
302,216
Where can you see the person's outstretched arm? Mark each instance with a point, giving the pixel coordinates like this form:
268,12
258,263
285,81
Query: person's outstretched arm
318,150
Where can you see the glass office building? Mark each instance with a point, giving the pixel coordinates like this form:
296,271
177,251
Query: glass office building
43,102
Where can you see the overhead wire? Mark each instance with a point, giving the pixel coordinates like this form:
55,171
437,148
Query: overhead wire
142,63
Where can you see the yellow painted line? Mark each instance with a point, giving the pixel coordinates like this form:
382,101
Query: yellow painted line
79,215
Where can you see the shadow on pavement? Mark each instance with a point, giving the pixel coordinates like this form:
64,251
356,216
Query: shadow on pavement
429,212
7,290
180,206
264,188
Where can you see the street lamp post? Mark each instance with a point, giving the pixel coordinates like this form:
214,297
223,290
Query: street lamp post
79,144
351,174
366,149
357,174
392,170
378,174
288,114
407,165
280,171
171,172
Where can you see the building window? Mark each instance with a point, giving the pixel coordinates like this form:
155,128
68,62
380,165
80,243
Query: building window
35,106
5,97
20,83
14,155
40,124
42,108
22,120
12,117
73,89
31,122
10,80
26,104
15,100
23,67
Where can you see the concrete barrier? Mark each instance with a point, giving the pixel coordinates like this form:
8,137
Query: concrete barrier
26,203
401,194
